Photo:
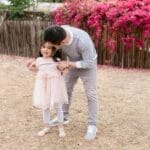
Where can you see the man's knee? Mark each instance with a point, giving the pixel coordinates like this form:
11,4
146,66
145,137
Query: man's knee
91,93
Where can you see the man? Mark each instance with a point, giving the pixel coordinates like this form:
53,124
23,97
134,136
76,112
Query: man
77,45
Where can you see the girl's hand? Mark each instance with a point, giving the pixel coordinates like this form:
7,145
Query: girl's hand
32,66
29,63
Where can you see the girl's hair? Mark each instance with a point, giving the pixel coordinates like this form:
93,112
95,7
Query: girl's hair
55,34
56,54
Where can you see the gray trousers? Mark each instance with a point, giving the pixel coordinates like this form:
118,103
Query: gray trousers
88,77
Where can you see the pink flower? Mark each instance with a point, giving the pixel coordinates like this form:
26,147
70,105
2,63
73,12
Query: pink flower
127,41
139,43
146,33
111,45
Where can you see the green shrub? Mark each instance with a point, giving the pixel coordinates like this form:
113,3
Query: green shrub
3,7
17,7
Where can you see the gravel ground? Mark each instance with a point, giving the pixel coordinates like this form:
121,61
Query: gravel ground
124,115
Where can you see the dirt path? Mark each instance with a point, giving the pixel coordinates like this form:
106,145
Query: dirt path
124,116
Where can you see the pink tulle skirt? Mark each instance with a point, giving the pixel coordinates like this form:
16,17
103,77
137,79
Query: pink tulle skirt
49,90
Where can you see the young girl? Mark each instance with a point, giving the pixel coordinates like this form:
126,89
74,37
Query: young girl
49,88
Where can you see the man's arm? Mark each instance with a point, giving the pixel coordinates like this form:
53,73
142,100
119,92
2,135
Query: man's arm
88,53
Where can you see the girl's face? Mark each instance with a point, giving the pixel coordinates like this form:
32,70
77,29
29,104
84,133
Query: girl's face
46,50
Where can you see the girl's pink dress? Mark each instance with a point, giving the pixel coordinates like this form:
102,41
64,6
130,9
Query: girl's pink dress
49,88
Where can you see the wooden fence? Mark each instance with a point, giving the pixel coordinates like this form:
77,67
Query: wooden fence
21,38
24,38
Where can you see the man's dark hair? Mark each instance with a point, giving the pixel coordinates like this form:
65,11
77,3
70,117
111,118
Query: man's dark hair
55,35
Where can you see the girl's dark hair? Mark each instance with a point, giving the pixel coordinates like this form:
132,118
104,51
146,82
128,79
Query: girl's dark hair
56,55
55,35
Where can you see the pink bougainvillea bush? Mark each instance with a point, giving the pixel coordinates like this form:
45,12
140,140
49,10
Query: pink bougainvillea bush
120,29
75,13
132,19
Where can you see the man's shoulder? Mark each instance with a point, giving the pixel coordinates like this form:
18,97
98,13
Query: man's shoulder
65,25
72,28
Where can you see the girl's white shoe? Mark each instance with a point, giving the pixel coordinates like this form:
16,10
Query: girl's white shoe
62,132
43,131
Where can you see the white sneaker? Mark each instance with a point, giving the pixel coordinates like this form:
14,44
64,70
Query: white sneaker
43,131
91,132
55,122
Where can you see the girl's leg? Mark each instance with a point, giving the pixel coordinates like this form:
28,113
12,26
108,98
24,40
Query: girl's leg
46,116
60,117
46,119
